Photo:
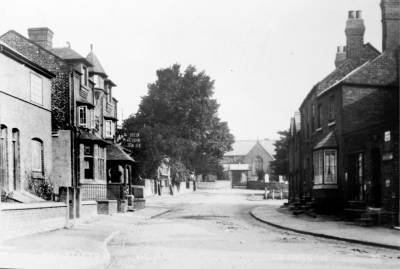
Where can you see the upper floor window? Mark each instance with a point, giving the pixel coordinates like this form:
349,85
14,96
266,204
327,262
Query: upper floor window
84,75
109,93
331,108
319,116
109,129
36,89
37,155
313,117
82,116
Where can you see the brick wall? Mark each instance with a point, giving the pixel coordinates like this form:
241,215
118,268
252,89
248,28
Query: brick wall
23,219
366,106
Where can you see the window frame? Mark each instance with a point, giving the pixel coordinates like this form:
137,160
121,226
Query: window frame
34,162
331,112
320,166
85,76
80,110
88,157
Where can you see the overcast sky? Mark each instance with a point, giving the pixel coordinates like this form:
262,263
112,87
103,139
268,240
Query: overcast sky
264,55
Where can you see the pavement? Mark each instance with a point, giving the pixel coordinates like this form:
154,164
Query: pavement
83,246
326,227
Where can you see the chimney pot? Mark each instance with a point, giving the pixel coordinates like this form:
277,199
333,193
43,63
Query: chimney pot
352,14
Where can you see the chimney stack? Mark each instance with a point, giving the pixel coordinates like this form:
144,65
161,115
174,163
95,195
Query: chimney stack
42,36
390,24
340,55
355,30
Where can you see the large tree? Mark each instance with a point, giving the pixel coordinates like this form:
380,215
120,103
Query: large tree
280,166
178,118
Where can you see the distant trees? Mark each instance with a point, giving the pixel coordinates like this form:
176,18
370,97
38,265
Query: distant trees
280,166
178,118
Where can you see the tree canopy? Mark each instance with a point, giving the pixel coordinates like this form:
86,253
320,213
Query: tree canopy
280,166
178,118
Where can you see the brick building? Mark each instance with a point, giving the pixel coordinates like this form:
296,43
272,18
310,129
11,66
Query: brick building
84,113
349,133
25,124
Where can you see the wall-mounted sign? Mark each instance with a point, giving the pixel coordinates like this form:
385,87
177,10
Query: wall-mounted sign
387,136
387,156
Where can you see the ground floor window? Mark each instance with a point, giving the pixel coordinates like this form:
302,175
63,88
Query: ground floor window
101,162
325,166
88,162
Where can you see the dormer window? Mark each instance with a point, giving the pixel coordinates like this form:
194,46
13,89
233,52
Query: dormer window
84,75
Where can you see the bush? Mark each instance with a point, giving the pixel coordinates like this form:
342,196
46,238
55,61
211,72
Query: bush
41,188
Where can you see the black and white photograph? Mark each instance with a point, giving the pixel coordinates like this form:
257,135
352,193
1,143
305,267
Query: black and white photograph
199,134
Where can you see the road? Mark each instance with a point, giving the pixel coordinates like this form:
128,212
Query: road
215,230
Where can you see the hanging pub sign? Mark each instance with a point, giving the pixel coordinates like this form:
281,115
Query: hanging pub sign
131,140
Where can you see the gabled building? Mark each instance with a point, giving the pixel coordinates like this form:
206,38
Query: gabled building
25,124
248,161
349,137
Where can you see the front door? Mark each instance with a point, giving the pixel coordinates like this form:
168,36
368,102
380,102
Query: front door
376,177
356,177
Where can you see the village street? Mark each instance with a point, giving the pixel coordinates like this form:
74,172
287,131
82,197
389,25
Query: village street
214,230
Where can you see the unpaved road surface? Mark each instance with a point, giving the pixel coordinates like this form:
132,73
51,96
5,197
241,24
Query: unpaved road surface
215,230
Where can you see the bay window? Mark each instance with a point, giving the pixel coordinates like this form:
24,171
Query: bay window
82,116
109,126
325,167
88,162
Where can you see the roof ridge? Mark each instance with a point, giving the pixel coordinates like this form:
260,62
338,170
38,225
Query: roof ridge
32,42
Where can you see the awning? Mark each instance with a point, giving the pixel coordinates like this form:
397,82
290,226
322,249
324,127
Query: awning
91,138
115,153
329,141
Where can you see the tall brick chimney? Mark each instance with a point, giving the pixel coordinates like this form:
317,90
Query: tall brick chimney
355,30
42,36
390,24
340,55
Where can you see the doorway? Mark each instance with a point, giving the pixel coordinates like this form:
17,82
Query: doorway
376,190
356,177
15,158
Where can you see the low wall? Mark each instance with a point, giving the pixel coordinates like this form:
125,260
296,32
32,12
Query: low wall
215,185
88,210
23,219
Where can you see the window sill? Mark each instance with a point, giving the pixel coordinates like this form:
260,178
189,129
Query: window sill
332,123
325,187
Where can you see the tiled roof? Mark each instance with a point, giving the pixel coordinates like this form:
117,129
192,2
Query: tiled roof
116,153
242,147
368,53
88,137
67,53
329,141
97,67
381,71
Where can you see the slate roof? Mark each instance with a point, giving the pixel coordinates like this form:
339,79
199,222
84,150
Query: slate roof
97,68
117,154
67,53
88,137
369,53
381,71
329,141
242,147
